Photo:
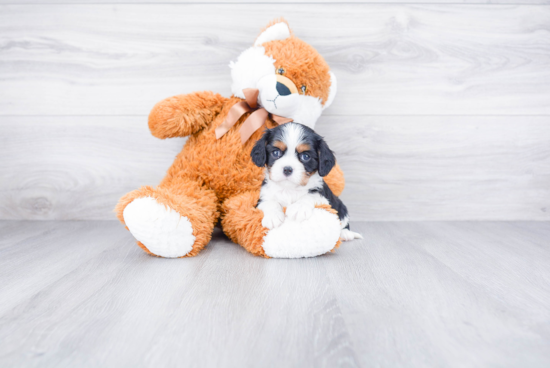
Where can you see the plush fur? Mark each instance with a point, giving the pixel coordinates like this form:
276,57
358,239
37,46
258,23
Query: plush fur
215,179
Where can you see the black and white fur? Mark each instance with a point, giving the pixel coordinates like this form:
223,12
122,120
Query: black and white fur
296,159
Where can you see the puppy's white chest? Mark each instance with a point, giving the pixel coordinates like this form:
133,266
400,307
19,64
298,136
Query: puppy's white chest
286,196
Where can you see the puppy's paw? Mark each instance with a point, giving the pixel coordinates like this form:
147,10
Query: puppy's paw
299,211
347,235
273,219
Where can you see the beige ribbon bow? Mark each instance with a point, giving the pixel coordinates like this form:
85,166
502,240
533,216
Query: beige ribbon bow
252,123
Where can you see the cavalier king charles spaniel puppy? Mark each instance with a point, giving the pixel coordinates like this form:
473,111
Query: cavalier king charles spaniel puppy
296,159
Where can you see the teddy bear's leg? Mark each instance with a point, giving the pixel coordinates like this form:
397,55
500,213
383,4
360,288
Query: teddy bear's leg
170,221
242,223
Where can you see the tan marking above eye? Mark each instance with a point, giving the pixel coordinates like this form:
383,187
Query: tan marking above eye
287,82
280,145
303,147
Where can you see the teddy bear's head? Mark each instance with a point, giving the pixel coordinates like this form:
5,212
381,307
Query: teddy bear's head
293,80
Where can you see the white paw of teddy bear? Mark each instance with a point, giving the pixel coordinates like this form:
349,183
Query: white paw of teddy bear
162,230
312,237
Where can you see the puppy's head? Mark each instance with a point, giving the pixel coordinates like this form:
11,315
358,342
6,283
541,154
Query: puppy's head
293,153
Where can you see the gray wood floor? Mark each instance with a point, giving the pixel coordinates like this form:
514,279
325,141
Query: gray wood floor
445,294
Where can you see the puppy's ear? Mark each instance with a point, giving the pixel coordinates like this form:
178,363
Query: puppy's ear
326,158
258,153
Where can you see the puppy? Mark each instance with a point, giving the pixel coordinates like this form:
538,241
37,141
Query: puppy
296,159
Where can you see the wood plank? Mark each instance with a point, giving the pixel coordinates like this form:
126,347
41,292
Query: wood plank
77,167
124,308
445,294
253,2
57,250
397,168
443,168
390,59
55,2
410,294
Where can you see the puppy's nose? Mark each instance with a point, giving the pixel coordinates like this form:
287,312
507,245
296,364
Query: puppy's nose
287,170
282,89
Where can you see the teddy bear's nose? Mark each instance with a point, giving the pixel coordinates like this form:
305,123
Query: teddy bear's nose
282,89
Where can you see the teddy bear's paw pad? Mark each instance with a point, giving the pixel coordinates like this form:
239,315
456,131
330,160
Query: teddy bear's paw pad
312,237
161,229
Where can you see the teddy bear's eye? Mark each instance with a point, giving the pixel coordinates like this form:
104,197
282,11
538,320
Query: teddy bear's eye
303,88
281,71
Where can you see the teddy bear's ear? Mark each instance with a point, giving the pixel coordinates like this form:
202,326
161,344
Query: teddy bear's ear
276,30
332,91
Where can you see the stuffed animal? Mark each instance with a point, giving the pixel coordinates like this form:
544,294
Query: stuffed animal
279,79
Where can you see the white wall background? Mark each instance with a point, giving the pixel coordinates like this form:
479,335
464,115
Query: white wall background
443,110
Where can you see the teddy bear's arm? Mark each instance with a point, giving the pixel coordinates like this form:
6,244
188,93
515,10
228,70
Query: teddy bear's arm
183,115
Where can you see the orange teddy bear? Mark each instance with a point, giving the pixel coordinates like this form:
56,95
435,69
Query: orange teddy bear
279,79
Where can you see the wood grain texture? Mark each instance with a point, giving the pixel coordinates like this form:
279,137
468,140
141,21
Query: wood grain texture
389,59
397,168
410,294
77,167
77,81
55,2
458,294
443,168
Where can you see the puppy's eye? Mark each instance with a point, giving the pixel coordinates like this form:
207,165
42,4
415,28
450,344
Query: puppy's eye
277,153
281,71
305,156
303,88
